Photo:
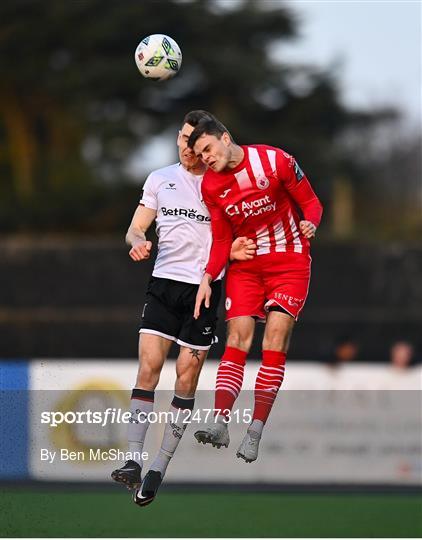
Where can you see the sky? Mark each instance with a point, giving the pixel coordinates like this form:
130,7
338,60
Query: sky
377,42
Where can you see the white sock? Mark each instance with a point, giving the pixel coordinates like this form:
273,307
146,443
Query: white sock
141,404
173,433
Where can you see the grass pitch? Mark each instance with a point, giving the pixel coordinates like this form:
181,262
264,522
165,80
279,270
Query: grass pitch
32,512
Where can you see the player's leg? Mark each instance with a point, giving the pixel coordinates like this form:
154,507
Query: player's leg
153,351
159,328
188,369
286,281
275,344
229,381
269,378
195,338
240,332
244,303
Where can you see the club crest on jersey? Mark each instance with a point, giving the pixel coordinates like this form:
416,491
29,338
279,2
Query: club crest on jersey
262,182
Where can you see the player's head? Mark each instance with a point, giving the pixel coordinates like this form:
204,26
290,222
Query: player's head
186,155
212,142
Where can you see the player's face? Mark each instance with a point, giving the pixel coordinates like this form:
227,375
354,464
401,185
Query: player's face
214,152
186,155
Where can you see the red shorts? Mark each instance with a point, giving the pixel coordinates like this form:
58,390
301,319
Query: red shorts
279,279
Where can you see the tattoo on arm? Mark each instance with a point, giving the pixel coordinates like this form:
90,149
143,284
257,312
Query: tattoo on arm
195,353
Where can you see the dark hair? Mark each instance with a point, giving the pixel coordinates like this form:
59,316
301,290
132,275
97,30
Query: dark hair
345,338
209,127
193,118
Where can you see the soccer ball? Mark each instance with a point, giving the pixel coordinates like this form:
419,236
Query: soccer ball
158,57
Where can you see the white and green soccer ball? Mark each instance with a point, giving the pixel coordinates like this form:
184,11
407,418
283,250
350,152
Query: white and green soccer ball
158,57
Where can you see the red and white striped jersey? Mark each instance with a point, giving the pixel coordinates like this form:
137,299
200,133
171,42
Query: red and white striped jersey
260,198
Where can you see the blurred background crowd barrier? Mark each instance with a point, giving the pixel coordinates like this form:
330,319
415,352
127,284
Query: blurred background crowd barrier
83,298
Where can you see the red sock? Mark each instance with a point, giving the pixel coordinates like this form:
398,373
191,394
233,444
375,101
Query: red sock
229,378
268,381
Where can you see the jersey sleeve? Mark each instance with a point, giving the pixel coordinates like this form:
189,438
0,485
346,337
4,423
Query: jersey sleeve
299,187
222,237
149,194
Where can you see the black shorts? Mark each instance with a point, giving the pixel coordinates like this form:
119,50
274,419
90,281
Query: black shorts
168,312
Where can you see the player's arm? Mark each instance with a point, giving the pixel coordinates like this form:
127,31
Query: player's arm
300,189
222,239
135,236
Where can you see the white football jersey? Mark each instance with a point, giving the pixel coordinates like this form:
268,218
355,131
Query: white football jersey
183,223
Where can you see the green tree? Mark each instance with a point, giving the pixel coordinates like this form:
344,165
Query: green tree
73,107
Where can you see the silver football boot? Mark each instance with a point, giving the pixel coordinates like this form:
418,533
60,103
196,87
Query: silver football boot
248,449
215,433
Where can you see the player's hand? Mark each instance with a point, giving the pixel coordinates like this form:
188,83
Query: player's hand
203,295
307,228
141,250
243,249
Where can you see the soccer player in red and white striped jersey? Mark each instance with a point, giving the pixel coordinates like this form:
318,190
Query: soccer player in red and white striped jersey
260,192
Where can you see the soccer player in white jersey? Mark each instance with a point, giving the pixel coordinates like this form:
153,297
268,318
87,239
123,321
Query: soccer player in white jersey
171,197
